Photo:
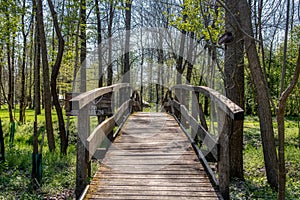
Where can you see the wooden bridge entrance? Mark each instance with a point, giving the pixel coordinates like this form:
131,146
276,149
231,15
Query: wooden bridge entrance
156,155
151,159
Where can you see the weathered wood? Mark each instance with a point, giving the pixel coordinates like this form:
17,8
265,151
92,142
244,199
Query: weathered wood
100,153
99,134
225,104
82,153
209,141
228,112
176,105
225,129
105,128
83,99
121,112
86,147
151,159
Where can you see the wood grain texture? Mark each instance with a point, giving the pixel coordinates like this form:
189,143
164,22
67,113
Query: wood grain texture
225,104
85,98
151,159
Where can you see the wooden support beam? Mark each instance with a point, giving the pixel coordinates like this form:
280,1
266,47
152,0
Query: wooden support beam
99,134
225,128
121,112
82,159
228,112
105,128
209,141
86,146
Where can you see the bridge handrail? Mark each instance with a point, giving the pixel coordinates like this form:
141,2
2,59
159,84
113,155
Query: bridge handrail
84,99
106,127
229,107
87,144
231,113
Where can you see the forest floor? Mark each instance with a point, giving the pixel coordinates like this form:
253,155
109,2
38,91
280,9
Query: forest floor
255,184
58,179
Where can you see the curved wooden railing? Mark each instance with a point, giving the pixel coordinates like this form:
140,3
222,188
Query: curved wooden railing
88,144
177,102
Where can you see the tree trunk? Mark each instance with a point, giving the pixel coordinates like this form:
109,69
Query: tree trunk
109,28
31,63
54,75
10,94
280,121
37,68
13,84
83,46
76,64
190,59
283,72
150,79
10,84
99,38
179,60
234,86
161,66
47,92
264,108
160,61
126,73
23,90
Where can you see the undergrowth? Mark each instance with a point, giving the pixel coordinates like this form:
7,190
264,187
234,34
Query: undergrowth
58,171
255,185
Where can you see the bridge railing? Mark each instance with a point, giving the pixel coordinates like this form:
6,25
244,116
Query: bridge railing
182,98
88,143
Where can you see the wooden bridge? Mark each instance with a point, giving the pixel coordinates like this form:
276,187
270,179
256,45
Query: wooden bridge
155,155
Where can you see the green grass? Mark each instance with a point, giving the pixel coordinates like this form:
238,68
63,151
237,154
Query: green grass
58,179
255,185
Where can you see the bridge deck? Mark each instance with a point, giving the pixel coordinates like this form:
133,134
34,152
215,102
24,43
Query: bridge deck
151,159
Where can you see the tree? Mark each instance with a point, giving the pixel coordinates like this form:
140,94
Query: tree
10,13
23,66
262,98
54,75
109,30
46,79
234,84
179,60
99,40
286,33
281,136
37,68
82,45
81,148
126,69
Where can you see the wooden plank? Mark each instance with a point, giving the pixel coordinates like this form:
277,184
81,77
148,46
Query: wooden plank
99,134
208,140
82,160
225,104
224,161
121,112
176,105
159,163
103,129
83,99
149,197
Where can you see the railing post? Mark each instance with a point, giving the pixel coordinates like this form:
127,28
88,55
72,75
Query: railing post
195,112
177,97
225,128
82,159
